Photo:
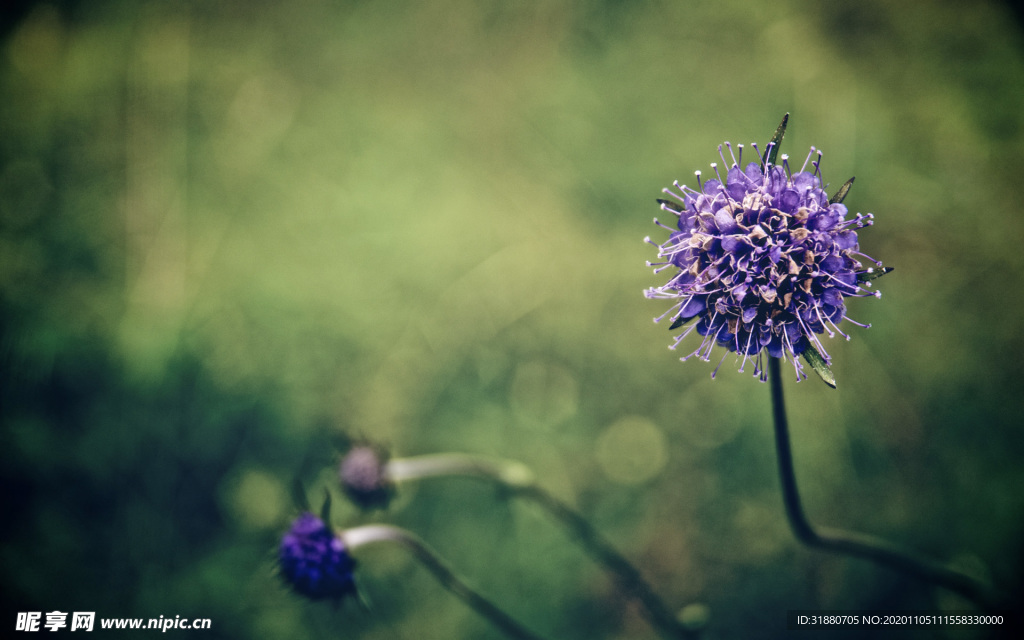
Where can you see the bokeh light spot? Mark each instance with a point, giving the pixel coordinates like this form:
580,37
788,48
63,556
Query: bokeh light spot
258,499
632,450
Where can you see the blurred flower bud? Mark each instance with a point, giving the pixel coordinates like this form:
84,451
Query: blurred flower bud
364,477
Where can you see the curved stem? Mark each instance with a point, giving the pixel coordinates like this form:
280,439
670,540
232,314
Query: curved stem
855,544
507,473
625,573
360,536
519,480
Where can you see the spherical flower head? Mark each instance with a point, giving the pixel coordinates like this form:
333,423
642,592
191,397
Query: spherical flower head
363,475
761,261
315,561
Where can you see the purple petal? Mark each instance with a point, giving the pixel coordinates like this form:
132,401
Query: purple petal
788,200
713,187
825,220
846,240
737,184
753,172
805,180
696,305
725,222
736,244
776,181
832,297
833,263
848,278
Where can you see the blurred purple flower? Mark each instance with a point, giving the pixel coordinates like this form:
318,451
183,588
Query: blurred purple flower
314,561
363,474
762,261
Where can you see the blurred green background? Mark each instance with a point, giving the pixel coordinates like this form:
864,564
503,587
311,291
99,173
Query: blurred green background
235,233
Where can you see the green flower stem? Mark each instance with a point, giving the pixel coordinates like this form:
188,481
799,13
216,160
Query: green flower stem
507,473
360,536
517,479
855,544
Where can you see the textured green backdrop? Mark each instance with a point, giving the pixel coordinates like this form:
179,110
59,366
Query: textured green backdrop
232,232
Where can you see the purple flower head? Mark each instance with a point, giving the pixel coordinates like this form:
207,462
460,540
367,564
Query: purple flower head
761,260
314,561
363,475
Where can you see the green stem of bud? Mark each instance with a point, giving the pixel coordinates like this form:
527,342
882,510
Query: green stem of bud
361,536
519,480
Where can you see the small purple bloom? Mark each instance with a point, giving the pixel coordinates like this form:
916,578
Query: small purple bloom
314,561
364,478
761,261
